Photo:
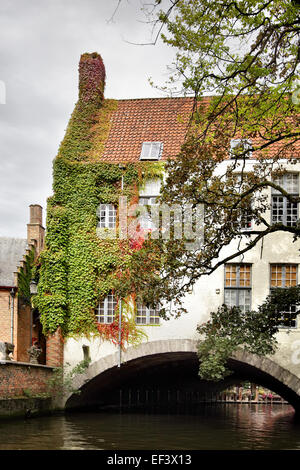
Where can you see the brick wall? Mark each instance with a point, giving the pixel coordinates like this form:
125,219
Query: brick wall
5,332
15,377
22,313
23,332
21,325
55,350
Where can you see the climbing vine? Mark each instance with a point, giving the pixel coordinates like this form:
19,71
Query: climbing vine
77,267
25,275
129,334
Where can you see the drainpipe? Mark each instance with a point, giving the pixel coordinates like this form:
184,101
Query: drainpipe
11,302
122,167
120,331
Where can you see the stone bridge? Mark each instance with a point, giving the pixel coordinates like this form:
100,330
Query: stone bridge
177,358
168,358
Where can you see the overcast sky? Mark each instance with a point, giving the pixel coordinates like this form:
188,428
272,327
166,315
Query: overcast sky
40,46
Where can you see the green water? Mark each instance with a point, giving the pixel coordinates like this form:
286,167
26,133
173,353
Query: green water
214,427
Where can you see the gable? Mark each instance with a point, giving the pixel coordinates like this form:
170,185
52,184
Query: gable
11,253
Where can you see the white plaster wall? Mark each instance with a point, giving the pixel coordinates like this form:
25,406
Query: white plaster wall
275,248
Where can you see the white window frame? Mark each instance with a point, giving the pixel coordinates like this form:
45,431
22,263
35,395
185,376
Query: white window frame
244,220
145,219
105,311
151,151
149,316
238,291
109,219
284,286
148,195
245,215
285,204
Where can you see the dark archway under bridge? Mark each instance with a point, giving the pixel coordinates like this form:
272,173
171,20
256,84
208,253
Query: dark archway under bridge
164,372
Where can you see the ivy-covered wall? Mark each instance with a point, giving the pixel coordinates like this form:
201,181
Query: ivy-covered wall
25,276
77,268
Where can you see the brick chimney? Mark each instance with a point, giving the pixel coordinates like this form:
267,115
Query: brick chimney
91,78
35,229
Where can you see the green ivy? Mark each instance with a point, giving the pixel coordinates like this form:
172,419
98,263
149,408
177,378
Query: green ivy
25,275
77,268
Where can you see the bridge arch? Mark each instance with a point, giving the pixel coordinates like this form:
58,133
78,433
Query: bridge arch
104,374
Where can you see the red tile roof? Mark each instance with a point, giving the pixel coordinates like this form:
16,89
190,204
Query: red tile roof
165,120
147,120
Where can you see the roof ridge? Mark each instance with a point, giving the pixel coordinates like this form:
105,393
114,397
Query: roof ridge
160,98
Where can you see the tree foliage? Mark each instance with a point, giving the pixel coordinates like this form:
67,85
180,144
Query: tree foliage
245,56
230,328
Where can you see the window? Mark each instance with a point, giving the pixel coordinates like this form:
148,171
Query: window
237,291
151,150
145,218
105,312
148,197
284,211
240,148
245,219
285,275
147,316
107,216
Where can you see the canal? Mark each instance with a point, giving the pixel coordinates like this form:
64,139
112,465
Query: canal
215,426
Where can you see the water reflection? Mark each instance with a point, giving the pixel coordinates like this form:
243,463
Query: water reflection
214,427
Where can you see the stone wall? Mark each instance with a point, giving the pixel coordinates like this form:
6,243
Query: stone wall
24,407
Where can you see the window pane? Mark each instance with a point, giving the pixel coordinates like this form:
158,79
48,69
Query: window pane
147,316
277,209
291,183
276,275
153,316
284,211
230,297
155,149
145,217
107,216
285,275
230,275
238,298
141,315
105,312
246,220
279,181
290,276
244,299
291,214
289,317
237,275
151,150
245,276
146,148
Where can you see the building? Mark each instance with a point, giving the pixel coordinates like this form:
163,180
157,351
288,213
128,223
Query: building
19,325
114,148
